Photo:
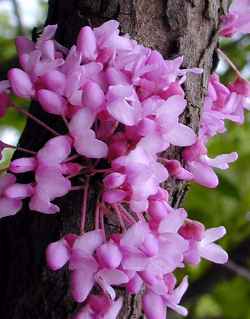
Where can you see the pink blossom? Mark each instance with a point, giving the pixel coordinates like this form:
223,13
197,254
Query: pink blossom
8,205
237,20
201,243
100,307
201,166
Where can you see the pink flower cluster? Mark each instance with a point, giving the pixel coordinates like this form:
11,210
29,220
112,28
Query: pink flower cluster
237,20
146,255
121,103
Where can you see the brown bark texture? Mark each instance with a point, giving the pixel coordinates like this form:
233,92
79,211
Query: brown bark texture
174,27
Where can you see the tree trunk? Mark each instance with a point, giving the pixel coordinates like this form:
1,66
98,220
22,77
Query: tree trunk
174,27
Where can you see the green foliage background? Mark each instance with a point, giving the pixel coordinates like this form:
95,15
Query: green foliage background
227,205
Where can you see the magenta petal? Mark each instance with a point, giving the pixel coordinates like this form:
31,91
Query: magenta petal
203,174
86,44
5,181
22,165
88,145
81,121
55,151
19,191
89,242
55,81
123,112
42,205
9,206
114,196
52,102
135,262
20,83
109,255
134,285
24,45
153,306
173,221
114,180
181,135
57,254
114,309
82,282
93,96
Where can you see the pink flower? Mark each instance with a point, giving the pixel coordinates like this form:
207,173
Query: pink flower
20,83
8,205
237,20
85,141
100,307
201,243
201,166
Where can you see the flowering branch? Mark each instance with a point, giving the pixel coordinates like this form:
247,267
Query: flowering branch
121,103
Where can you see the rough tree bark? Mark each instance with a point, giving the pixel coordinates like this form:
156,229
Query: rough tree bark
174,27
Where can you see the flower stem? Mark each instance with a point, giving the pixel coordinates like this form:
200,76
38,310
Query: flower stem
230,62
97,216
119,215
102,222
127,214
35,119
21,149
84,206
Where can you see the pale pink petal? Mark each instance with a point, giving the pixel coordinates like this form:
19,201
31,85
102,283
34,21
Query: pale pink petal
57,254
181,135
19,191
114,180
20,83
173,221
123,112
81,121
114,196
135,262
93,96
220,161
9,206
86,44
134,285
22,165
24,45
109,255
52,102
81,284
55,151
89,242
55,81
5,181
153,306
214,253
88,145
213,234
203,174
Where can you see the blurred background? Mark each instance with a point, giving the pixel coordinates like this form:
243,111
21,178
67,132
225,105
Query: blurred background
216,292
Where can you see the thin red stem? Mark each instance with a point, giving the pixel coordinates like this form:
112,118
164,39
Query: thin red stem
97,216
84,206
35,119
22,149
102,222
119,215
125,212
230,62
77,188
